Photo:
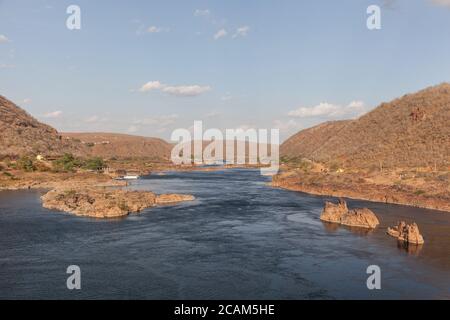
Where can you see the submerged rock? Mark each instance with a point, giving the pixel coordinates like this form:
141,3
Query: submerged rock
339,213
102,203
408,233
173,198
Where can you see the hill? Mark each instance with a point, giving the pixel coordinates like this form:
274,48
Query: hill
411,131
114,145
23,134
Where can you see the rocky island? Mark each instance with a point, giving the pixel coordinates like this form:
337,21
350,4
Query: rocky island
103,203
408,233
339,213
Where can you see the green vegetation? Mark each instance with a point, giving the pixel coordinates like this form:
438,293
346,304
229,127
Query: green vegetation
419,192
66,163
334,166
70,163
123,206
26,163
70,193
96,163
298,163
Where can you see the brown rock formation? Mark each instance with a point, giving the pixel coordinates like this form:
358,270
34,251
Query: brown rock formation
339,213
173,198
334,212
101,203
408,233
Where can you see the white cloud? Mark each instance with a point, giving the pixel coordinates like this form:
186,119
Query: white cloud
185,91
324,109
154,29
202,13
7,66
357,104
152,85
220,34
180,91
443,3
241,32
53,114
3,39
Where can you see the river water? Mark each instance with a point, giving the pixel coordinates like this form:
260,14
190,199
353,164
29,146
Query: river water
241,239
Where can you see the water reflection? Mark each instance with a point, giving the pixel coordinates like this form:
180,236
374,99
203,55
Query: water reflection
334,227
410,248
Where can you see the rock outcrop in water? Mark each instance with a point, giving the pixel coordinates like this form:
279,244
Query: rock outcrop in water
339,213
173,198
101,203
408,233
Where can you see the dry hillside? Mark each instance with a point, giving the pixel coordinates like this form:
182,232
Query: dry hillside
411,131
114,145
22,134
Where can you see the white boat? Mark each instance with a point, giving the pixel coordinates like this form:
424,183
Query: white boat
130,177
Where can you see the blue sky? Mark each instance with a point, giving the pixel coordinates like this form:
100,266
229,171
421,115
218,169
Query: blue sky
149,67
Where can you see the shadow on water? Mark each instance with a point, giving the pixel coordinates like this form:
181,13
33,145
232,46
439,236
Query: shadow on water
412,249
333,227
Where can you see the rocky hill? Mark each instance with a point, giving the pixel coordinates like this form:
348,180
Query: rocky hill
114,145
411,131
23,134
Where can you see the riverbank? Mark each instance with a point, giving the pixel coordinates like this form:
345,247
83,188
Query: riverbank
84,193
22,180
419,189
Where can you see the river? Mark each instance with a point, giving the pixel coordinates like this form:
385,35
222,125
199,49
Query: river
240,239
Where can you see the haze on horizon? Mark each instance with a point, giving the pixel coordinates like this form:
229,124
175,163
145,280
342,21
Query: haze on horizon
149,68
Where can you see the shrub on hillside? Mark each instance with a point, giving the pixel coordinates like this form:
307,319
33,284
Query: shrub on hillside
66,163
96,164
26,163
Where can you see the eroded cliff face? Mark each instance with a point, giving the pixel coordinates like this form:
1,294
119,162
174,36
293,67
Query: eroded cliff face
102,203
339,213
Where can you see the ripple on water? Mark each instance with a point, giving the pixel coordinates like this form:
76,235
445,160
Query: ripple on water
240,239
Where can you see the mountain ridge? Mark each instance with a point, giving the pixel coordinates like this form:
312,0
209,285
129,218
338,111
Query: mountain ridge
409,131
22,134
